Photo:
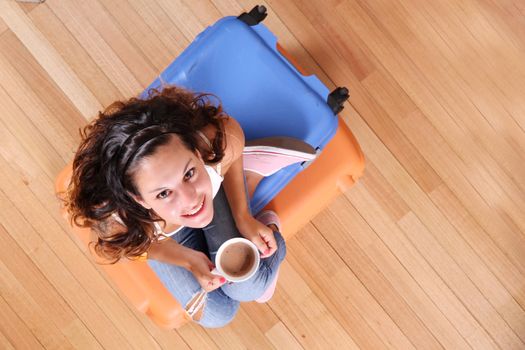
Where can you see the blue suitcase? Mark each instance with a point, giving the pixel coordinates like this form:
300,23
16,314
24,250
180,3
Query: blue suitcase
237,60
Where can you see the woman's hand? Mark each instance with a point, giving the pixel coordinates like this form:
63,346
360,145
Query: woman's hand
260,234
201,266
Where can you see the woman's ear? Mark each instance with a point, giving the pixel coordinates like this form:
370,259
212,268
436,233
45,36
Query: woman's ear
198,154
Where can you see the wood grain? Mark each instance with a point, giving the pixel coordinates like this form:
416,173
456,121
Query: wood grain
427,251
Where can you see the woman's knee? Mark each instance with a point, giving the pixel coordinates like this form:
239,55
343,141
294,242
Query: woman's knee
218,311
254,287
281,245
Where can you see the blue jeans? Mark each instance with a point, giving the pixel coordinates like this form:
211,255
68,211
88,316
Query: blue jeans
222,304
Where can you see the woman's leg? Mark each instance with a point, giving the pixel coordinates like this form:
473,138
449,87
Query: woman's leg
252,181
255,287
213,309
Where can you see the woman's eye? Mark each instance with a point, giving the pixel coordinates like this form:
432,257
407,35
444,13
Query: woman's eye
163,194
189,174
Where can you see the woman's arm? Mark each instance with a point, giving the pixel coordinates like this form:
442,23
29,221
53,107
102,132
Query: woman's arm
234,172
166,250
235,189
171,252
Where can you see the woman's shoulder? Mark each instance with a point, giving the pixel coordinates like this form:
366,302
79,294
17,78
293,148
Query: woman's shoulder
233,140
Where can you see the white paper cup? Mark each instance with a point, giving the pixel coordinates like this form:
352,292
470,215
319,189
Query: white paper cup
223,250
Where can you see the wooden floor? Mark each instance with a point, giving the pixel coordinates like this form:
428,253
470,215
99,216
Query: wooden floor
426,252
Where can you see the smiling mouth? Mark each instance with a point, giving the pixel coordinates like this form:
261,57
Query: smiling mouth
196,211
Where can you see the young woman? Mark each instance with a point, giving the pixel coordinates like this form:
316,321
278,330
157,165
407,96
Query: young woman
162,179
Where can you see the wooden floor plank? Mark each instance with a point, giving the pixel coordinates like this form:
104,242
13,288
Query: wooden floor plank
35,114
28,309
281,337
487,47
509,240
195,337
427,251
456,107
183,17
118,44
405,295
506,17
3,26
227,7
47,56
444,309
16,122
138,33
5,343
377,89
78,56
161,24
495,127
14,330
496,260
442,231
487,315
165,338
241,333
262,315
308,319
337,281
205,11
430,150
28,6
344,44
94,42
44,296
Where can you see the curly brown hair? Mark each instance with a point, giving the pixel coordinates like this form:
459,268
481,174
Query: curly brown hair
112,147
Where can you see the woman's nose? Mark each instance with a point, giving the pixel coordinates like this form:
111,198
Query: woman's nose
188,196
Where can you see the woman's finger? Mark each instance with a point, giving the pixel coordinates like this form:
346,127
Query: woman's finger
271,243
260,244
214,282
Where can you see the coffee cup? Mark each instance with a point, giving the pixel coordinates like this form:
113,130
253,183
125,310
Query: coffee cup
237,260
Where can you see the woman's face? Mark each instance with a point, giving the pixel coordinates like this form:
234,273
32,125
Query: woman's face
174,183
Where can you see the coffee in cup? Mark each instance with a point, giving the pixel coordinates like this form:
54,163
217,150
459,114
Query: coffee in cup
237,260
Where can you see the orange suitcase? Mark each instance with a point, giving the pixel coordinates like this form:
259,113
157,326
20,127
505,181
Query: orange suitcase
337,168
